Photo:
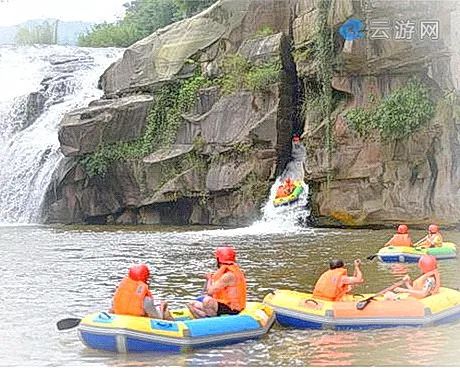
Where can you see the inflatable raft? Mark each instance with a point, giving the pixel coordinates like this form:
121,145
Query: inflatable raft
291,198
301,310
413,254
122,333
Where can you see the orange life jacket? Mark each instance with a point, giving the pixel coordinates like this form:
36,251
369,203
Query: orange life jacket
432,238
329,286
281,192
234,295
400,240
418,283
129,297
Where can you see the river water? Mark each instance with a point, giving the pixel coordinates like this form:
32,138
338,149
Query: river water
50,273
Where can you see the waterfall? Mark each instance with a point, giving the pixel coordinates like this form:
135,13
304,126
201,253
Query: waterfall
39,85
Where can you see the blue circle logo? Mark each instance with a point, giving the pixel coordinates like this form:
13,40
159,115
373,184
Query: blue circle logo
351,29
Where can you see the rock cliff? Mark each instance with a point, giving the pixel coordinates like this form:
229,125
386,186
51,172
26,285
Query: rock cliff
246,69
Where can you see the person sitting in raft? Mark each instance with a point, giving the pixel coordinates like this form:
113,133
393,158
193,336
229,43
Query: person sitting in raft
281,192
289,186
427,284
433,239
133,297
335,283
401,239
226,288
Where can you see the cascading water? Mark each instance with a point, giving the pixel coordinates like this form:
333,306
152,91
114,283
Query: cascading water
39,85
297,213
291,218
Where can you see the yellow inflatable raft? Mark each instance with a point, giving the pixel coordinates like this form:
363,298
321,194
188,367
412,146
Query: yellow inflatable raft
301,310
123,333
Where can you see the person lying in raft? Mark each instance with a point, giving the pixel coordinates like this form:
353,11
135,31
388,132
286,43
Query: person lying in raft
226,288
427,284
335,283
133,297
401,238
433,239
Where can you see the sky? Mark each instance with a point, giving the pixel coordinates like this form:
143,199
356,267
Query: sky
13,12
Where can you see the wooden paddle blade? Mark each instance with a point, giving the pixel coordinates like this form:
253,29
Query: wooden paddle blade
68,323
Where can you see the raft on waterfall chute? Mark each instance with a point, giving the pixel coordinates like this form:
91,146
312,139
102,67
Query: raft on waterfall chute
302,310
123,333
285,199
413,254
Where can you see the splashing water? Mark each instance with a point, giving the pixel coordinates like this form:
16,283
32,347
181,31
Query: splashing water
39,85
290,218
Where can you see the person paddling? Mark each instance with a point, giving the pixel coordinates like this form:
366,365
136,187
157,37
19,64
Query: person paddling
401,238
433,239
335,283
427,284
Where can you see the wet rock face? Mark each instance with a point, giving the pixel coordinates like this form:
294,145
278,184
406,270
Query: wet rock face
242,136
119,120
204,176
407,180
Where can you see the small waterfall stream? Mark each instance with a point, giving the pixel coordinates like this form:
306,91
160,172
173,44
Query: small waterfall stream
39,85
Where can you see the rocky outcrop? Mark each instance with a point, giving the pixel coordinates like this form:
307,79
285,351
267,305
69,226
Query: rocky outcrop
166,54
407,180
107,121
228,147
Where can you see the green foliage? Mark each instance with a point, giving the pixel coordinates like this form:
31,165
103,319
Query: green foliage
44,33
260,78
199,143
142,18
399,115
121,34
265,31
323,53
239,74
172,100
171,169
254,189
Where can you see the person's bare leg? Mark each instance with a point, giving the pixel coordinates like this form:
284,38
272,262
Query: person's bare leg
165,312
210,307
196,308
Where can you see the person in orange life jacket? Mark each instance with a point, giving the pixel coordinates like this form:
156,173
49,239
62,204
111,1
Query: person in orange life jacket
335,283
427,284
433,239
281,191
401,239
296,140
133,297
289,186
226,288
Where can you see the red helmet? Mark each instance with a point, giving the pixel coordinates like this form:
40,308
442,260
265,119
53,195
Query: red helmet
427,263
403,229
139,273
433,228
225,255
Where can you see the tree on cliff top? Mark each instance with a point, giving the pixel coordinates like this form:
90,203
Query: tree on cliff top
142,18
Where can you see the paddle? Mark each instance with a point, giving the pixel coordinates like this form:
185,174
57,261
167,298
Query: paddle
372,256
362,303
68,323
